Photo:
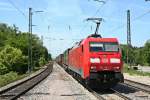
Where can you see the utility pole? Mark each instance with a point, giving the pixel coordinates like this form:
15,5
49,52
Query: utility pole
30,62
128,36
30,41
128,29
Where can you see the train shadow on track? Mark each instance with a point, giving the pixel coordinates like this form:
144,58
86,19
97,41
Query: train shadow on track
125,89
120,88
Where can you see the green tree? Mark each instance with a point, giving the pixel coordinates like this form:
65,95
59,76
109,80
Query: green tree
16,60
3,68
13,59
147,52
42,61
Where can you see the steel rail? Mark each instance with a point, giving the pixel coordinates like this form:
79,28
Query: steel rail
13,92
121,95
137,85
99,95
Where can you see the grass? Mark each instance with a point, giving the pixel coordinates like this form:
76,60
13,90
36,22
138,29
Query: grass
13,76
135,72
10,77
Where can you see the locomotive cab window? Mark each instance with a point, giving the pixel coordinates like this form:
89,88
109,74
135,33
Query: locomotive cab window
112,47
96,47
103,47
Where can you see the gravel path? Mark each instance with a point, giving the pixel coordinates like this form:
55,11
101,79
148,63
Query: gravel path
58,86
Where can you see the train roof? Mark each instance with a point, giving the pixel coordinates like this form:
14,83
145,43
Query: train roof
98,38
103,39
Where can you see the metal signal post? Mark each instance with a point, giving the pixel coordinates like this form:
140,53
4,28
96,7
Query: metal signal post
30,41
128,29
128,37
30,67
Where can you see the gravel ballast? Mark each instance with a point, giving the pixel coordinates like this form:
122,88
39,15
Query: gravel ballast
58,86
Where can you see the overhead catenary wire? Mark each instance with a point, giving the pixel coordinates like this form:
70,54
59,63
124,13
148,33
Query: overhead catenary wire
97,11
142,15
17,8
134,19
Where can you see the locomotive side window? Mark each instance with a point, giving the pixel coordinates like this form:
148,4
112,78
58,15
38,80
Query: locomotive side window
82,48
105,47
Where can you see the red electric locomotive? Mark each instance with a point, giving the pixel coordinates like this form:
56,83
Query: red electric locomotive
96,60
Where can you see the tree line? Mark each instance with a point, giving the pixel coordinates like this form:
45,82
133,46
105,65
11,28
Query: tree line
14,50
137,55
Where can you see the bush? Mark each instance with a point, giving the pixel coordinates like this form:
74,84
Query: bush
13,59
134,72
7,78
42,61
3,69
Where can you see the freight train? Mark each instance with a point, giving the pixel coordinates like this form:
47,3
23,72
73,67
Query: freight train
95,60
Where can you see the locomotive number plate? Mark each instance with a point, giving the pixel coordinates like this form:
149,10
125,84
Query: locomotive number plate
105,68
105,60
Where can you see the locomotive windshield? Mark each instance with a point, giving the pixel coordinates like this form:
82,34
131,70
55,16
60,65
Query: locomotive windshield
104,47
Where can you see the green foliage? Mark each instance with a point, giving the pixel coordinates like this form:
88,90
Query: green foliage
49,57
10,77
3,68
135,72
42,61
147,52
4,79
124,52
12,59
14,50
137,55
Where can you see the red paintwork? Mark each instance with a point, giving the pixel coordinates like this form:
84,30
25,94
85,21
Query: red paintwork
81,60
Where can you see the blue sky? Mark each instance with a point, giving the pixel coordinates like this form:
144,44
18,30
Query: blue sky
60,14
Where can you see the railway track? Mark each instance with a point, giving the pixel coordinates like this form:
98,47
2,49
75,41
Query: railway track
110,94
102,95
122,91
15,91
137,85
131,92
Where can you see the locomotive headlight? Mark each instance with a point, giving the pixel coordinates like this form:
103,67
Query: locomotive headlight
94,60
114,60
116,69
93,69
